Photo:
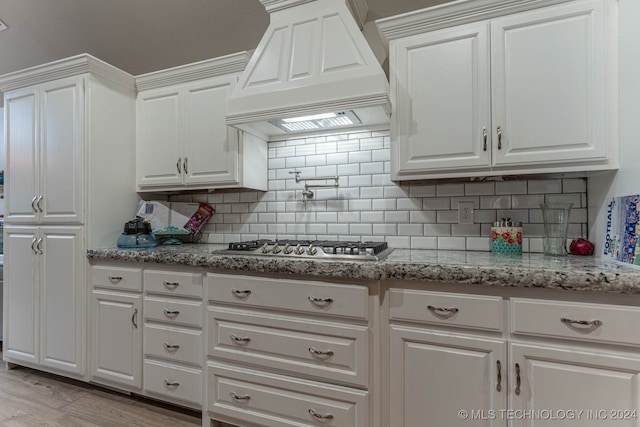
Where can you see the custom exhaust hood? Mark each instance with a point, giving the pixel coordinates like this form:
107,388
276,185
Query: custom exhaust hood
313,71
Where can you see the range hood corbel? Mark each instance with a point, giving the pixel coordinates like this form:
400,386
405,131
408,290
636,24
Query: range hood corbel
312,59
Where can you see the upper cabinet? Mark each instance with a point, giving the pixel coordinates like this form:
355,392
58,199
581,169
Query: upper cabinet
183,142
499,89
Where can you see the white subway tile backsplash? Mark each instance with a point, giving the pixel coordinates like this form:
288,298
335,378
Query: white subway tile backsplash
368,205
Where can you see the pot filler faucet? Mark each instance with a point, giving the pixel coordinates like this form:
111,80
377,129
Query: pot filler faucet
306,192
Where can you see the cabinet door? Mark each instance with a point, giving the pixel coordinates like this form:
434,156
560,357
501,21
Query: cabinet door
21,295
21,129
548,87
603,386
158,153
211,147
442,104
434,375
116,341
61,298
61,151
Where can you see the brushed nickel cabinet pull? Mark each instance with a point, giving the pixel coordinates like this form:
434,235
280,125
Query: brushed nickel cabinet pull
239,340
170,383
184,166
590,323
178,165
239,398
170,285
443,311
39,246
517,379
241,293
171,314
320,302
114,278
134,318
39,203
33,244
320,417
484,139
320,353
499,131
33,204
499,384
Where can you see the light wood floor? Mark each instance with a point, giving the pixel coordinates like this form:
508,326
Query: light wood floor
32,398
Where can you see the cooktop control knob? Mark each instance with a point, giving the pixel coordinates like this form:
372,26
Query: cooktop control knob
287,249
266,249
299,250
312,250
276,249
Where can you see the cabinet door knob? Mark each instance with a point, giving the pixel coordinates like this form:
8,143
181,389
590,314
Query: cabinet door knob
320,302
499,132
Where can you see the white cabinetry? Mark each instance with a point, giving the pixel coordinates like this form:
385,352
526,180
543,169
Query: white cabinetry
67,124
116,339
285,352
435,373
173,340
560,363
182,139
531,90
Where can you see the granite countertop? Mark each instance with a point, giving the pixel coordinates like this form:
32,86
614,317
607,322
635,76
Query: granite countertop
481,268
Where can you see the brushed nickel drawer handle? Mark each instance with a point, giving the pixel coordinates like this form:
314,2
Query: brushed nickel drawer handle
320,353
170,285
320,417
171,347
443,311
170,383
241,293
114,278
590,323
238,398
240,340
320,302
171,314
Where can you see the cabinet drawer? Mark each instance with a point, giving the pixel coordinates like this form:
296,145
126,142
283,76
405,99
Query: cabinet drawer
470,311
328,351
579,321
173,283
173,312
176,382
173,344
296,295
278,401
117,277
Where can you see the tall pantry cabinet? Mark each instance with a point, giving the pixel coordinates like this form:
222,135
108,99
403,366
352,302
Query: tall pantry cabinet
70,174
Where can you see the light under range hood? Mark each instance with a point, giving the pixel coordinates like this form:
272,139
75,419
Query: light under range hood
313,71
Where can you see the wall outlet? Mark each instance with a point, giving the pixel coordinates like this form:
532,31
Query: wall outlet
465,213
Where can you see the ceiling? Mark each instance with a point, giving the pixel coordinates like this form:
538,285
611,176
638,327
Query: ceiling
140,36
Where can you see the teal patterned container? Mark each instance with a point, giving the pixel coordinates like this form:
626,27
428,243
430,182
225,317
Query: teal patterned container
506,237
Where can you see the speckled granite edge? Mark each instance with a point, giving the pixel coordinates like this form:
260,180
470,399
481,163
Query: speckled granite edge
478,268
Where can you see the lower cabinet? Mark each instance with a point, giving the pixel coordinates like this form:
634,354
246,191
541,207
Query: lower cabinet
555,363
285,352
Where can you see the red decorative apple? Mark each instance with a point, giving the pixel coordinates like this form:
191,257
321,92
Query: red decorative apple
581,247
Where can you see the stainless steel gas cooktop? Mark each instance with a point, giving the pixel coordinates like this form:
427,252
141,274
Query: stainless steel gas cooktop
319,249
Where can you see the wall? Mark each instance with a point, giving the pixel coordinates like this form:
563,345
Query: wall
626,180
368,206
